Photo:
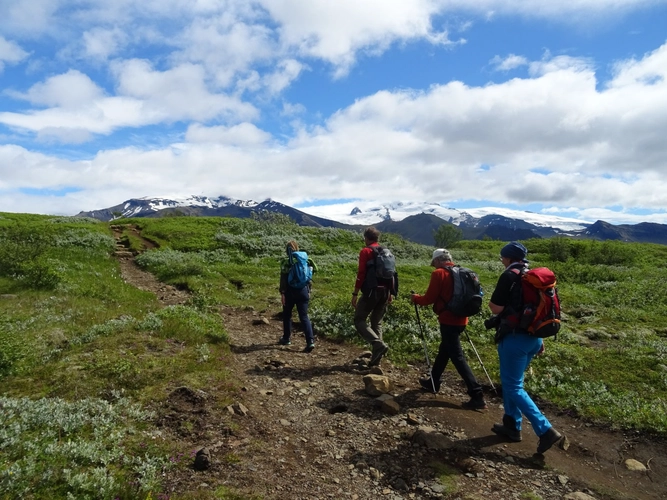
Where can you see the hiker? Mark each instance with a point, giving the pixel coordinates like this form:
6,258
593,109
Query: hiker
439,293
295,291
376,294
516,348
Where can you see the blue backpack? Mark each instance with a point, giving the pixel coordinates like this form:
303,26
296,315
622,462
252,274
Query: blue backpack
300,273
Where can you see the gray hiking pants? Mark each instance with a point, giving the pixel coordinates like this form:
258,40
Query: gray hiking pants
374,306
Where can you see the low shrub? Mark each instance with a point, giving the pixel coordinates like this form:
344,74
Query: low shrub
80,449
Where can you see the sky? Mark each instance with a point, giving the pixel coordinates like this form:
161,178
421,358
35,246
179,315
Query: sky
557,107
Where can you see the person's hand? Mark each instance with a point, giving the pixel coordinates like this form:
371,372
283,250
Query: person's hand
413,297
391,299
282,299
354,301
541,351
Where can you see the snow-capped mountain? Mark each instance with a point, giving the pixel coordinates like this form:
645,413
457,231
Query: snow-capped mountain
142,207
413,220
368,213
222,206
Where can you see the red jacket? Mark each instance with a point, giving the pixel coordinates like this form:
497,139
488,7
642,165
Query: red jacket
439,292
365,255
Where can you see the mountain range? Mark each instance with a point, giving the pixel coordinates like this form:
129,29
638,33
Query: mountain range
413,221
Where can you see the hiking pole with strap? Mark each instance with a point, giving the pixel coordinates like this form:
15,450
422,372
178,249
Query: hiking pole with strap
428,362
480,362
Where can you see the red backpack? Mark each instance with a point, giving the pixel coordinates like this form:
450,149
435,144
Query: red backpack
539,309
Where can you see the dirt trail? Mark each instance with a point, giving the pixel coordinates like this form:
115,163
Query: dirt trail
303,427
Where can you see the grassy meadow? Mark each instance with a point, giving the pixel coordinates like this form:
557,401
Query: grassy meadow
85,358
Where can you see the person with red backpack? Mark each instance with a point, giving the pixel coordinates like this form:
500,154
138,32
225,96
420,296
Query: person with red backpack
439,293
516,349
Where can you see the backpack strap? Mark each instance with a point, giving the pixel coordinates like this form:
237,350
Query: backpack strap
452,277
515,292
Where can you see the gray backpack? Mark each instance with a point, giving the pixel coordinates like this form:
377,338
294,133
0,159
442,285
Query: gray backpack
381,271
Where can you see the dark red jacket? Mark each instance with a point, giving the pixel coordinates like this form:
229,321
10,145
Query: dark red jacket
439,292
365,255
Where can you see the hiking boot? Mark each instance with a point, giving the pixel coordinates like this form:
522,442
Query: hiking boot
548,439
284,341
377,355
309,348
475,404
507,429
428,385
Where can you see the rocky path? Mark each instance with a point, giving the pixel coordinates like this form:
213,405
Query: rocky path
304,426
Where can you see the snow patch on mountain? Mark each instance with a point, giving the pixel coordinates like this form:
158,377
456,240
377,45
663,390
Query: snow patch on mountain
136,206
370,212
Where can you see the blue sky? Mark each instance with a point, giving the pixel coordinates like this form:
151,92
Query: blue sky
553,107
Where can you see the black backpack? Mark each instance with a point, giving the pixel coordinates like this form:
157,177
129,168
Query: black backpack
467,292
381,271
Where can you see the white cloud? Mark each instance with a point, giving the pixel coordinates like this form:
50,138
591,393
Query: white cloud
424,146
232,39
510,62
145,96
27,19
214,63
101,43
550,64
286,72
178,93
244,134
69,90
291,109
10,52
336,31
227,45
648,71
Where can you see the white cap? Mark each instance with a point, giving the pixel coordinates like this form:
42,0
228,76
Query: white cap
441,253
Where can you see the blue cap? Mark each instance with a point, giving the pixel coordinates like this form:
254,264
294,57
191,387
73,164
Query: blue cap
514,251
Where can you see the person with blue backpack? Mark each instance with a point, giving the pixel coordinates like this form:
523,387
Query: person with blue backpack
296,272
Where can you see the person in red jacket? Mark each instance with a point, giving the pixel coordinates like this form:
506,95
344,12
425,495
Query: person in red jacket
439,293
373,301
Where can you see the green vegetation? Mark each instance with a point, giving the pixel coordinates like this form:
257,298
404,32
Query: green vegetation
447,476
84,356
530,495
447,236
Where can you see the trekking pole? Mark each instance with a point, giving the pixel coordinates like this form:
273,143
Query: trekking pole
428,362
480,362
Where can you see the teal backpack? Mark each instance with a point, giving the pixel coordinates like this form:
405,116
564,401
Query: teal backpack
300,273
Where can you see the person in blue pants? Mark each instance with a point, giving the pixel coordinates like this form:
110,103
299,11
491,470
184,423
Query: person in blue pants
516,349
300,298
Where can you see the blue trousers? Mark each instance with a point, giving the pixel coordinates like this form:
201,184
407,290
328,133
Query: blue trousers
515,352
300,299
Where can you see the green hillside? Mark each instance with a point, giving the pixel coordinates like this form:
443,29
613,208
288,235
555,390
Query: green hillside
84,356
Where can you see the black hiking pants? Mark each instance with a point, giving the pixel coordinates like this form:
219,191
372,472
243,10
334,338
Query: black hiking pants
450,348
